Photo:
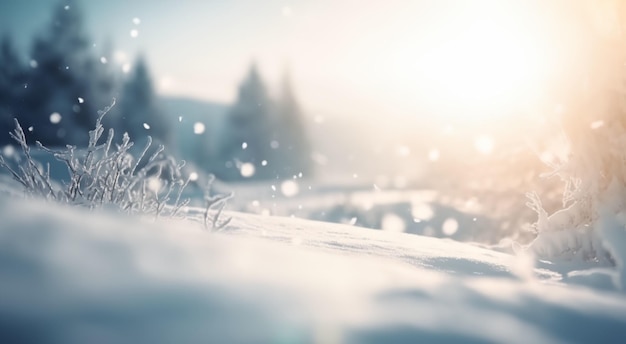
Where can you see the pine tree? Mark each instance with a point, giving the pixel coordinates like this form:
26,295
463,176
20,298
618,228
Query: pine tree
139,112
105,81
247,135
295,149
62,58
12,81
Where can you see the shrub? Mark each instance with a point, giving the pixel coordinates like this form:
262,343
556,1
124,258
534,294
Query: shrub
108,175
594,173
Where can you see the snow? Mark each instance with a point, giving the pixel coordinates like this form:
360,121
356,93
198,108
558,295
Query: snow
247,170
289,188
55,118
198,128
69,275
450,226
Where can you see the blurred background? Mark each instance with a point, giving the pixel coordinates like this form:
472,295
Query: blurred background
431,117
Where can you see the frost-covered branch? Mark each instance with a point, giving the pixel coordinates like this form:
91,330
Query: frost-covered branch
107,174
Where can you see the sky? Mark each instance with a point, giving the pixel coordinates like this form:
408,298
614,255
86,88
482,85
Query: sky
363,53
458,61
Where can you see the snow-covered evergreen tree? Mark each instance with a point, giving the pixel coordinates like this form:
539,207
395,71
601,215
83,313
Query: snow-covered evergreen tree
139,112
263,139
290,131
247,134
60,107
12,81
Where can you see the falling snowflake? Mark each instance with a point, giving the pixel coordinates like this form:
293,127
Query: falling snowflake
55,118
103,60
81,100
422,212
247,170
136,21
155,184
244,145
146,126
8,151
193,176
289,188
450,226
134,33
198,128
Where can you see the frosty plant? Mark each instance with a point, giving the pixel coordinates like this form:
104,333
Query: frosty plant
594,170
595,191
107,174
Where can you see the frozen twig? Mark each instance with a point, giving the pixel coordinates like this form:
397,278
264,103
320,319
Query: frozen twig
107,174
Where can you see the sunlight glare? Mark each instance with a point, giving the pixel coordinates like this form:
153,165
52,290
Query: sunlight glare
487,58
484,145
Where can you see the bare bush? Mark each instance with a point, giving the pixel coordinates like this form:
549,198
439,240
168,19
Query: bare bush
108,175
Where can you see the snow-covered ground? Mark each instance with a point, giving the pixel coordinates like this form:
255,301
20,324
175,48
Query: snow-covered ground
72,276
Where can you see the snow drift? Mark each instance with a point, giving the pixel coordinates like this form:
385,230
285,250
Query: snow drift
71,276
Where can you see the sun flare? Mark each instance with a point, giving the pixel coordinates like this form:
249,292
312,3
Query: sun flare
488,58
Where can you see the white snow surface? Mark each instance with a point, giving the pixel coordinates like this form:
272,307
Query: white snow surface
68,275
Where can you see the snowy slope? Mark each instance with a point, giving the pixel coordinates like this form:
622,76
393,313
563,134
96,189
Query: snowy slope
68,276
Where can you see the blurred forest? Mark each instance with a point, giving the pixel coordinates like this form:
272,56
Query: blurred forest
480,162
57,92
